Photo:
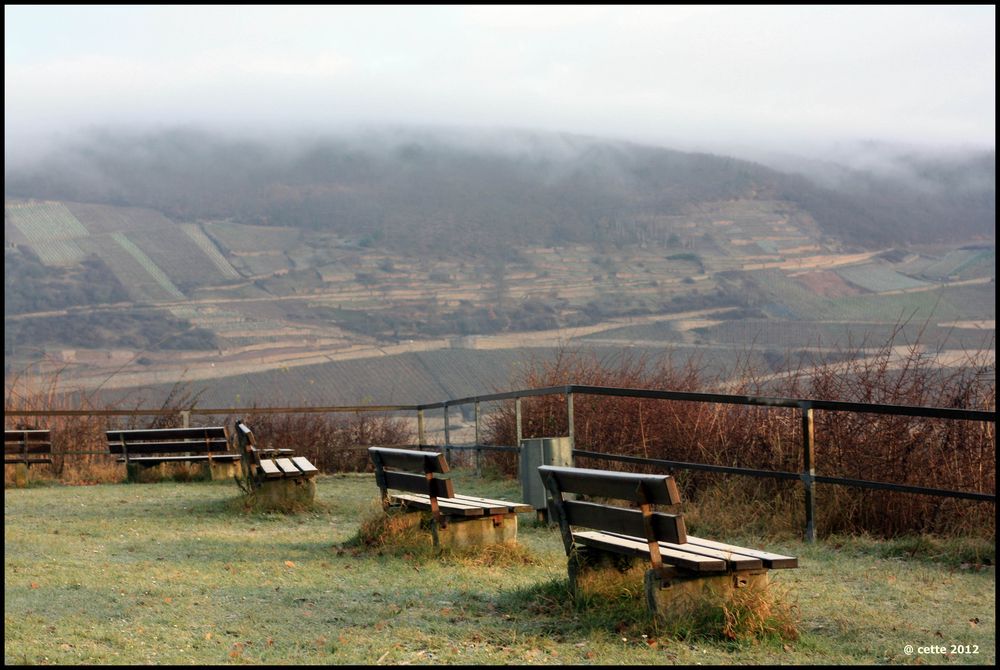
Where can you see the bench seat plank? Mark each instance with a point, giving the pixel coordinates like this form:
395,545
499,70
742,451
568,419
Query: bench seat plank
770,561
178,459
512,507
448,506
303,464
637,546
733,560
287,468
31,460
270,469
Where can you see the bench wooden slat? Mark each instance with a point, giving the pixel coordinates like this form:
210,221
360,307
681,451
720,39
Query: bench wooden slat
411,460
770,561
271,470
452,508
733,560
405,481
303,464
31,460
666,527
186,458
30,447
31,435
658,489
195,445
287,468
512,507
636,546
167,434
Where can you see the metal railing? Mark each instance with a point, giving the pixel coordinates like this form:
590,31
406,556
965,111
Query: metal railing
806,407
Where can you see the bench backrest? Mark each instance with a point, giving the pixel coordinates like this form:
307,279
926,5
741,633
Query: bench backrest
642,490
275,462
412,471
206,440
25,442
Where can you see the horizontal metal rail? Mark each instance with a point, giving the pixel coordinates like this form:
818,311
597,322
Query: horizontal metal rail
778,474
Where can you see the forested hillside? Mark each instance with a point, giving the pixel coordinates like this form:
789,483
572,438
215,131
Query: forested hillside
422,191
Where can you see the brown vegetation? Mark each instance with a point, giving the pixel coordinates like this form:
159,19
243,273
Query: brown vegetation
944,454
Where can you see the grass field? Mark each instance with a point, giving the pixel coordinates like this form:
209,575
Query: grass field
177,573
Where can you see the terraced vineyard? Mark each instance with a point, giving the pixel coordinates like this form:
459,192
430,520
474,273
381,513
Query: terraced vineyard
107,219
45,221
242,238
58,252
787,335
177,255
208,247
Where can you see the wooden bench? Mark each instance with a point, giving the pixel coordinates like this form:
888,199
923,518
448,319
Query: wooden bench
278,478
456,520
143,449
681,571
24,448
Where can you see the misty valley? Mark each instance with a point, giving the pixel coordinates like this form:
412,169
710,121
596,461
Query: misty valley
409,269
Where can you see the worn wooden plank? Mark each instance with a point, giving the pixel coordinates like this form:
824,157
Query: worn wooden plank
657,489
174,446
30,447
665,527
270,468
30,460
448,508
770,561
31,435
200,458
636,546
167,434
733,560
511,507
303,464
287,468
404,481
412,460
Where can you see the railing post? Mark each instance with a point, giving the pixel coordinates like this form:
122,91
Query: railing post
420,428
479,451
809,471
447,436
517,420
185,418
569,415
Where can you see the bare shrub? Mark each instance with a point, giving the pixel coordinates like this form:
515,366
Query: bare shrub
332,443
935,453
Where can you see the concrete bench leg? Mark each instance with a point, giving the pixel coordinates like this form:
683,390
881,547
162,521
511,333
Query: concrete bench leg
478,531
20,475
224,470
285,494
591,570
676,599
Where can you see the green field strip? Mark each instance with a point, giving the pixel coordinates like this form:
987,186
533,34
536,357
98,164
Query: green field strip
982,258
45,221
878,278
205,244
58,253
147,264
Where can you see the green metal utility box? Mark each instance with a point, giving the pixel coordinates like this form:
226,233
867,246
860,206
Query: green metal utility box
541,451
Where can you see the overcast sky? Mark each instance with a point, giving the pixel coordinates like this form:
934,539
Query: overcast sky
669,75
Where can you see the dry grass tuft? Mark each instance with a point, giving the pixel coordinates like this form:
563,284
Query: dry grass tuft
751,615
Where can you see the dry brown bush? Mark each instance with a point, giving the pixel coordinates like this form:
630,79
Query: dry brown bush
935,453
332,443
